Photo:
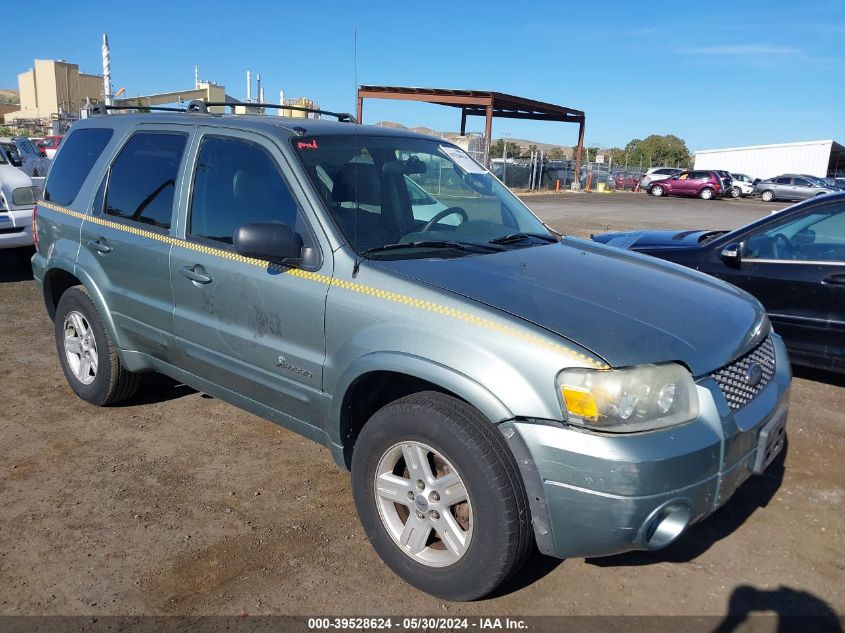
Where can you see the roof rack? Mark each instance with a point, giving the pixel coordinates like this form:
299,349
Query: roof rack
202,106
101,108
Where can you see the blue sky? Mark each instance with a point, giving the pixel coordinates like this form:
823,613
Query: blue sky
716,74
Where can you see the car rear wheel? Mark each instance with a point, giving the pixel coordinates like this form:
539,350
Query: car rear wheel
706,194
657,191
87,354
736,192
767,196
440,496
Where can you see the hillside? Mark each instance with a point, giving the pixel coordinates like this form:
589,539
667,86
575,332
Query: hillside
9,96
523,143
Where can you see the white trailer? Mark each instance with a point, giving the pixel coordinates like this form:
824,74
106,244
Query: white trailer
816,158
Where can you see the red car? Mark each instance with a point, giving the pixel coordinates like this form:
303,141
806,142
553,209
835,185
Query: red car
627,182
49,145
704,184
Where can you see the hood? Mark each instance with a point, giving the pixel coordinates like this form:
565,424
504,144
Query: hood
12,178
626,308
658,238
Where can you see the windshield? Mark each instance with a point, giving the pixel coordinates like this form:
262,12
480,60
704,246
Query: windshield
385,191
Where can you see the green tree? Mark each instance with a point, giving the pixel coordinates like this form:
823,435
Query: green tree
497,149
557,153
658,150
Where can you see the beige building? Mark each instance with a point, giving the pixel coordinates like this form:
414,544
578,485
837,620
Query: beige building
55,87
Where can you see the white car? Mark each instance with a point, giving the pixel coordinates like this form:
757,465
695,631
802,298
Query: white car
17,200
742,185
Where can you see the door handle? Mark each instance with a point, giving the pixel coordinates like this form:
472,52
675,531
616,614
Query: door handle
199,276
834,280
100,245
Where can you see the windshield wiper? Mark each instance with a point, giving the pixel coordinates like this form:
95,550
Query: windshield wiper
517,237
458,246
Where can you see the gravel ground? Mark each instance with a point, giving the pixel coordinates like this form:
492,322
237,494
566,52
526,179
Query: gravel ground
177,503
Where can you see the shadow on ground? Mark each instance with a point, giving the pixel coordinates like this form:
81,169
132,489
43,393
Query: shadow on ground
796,610
15,265
819,375
157,388
755,493
535,568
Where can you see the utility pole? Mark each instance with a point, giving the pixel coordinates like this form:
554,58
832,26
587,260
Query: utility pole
505,158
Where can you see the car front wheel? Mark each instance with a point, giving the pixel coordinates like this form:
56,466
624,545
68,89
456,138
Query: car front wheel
440,496
767,195
657,191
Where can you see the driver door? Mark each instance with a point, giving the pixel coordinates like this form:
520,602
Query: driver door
254,329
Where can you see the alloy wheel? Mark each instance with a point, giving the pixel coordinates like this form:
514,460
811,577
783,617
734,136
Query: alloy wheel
80,348
423,504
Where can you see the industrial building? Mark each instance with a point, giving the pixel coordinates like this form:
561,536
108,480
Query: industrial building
824,159
53,88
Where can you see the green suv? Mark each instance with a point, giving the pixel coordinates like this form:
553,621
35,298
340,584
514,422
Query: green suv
492,385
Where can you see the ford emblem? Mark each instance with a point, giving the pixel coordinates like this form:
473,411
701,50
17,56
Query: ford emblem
753,375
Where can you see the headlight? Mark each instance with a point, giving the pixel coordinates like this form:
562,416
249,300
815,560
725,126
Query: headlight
638,398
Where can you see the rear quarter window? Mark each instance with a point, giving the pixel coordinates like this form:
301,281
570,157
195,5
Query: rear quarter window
80,151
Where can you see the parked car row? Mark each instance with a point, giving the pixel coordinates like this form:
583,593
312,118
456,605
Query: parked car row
709,184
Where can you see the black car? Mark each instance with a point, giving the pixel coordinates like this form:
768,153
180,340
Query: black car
793,261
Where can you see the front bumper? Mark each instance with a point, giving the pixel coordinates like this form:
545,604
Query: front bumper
15,237
601,494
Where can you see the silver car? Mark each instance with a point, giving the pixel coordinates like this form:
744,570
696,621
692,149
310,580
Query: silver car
657,173
791,187
490,384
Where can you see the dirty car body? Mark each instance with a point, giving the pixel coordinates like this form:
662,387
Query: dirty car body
479,304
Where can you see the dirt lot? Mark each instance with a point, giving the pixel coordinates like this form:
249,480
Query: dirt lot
178,503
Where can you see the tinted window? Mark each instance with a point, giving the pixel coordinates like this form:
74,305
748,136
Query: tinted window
801,182
818,235
143,178
783,181
236,183
81,150
699,175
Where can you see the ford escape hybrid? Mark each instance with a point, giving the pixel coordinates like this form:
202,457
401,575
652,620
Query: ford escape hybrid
492,385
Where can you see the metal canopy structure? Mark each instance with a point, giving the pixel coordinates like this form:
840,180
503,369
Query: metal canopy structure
484,103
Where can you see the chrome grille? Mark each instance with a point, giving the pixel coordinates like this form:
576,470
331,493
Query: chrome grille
732,378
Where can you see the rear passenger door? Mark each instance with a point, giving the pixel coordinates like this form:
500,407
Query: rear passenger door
128,235
255,330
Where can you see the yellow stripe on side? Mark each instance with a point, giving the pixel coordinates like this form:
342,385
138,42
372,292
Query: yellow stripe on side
386,295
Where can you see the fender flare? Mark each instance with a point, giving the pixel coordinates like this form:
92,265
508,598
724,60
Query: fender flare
426,369
93,291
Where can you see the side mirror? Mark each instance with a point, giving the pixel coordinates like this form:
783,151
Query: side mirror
273,241
732,254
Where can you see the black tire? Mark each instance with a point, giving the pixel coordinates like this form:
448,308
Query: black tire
736,192
767,196
502,536
112,383
707,193
657,191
